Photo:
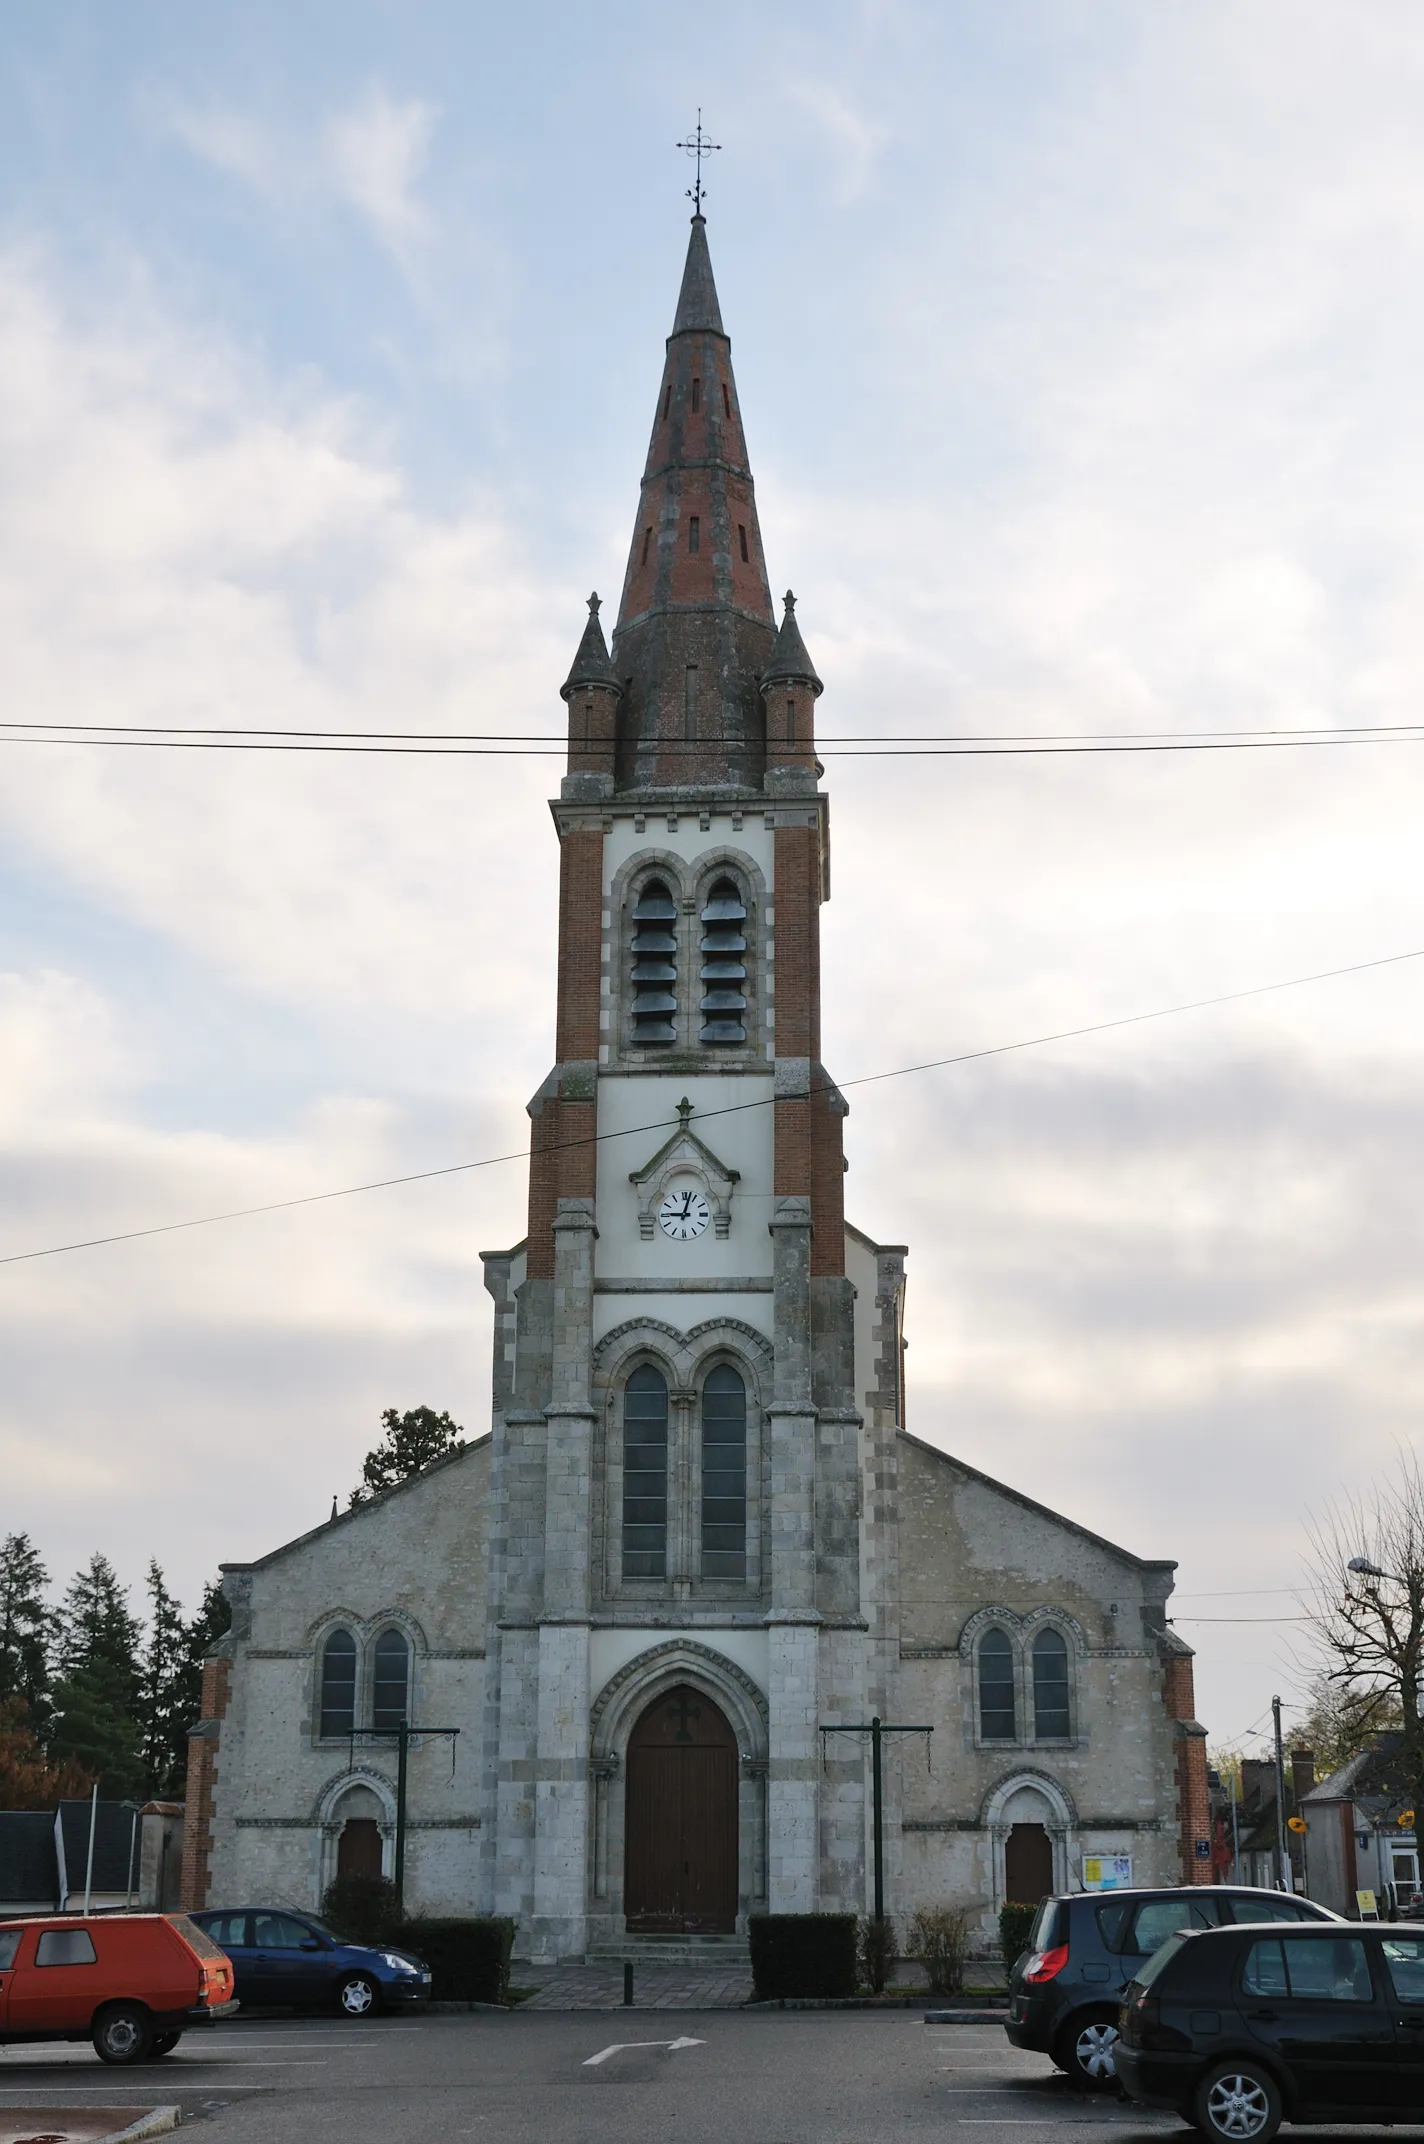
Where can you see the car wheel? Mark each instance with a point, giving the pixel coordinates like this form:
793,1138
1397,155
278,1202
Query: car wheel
1239,2101
1087,2048
123,2033
165,2043
357,1995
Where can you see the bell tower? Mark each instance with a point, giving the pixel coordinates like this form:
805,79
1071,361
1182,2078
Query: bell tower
676,1441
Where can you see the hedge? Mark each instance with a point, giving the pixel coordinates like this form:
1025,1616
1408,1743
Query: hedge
1015,1921
802,1954
468,1960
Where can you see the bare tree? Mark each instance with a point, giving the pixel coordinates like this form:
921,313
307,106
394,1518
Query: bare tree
1366,1601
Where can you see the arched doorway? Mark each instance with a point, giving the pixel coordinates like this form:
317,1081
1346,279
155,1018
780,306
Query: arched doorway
1028,1864
681,1817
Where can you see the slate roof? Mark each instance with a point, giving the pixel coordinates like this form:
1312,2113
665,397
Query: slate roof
28,1872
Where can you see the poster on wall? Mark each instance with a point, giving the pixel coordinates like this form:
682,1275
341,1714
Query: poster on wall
1107,1872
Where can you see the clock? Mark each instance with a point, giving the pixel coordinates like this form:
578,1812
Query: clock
683,1215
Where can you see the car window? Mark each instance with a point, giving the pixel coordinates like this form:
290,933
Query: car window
1112,1918
197,1937
1268,1909
1162,1917
1157,1964
1336,1971
9,1944
65,1946
274,1931
1404,1955
228,1930
1264,1972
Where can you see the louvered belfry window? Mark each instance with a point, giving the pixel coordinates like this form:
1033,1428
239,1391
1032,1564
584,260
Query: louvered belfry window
724,970
645,1474
654,965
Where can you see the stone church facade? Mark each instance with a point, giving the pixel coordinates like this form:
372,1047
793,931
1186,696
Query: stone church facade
698,1532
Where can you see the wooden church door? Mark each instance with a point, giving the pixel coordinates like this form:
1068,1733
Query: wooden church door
1028,1864
358,1850
681,1817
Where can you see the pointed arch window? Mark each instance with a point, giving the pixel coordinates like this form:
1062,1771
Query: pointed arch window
645,1474
338,1684
390,1689
997,1711
724,1474
724,971
654,965
1052,1721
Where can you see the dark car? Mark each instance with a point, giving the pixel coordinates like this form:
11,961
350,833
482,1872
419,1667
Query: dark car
287,1960
1082,1951
1237,2029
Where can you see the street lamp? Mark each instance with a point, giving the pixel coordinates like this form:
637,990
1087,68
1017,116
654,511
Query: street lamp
1364,1568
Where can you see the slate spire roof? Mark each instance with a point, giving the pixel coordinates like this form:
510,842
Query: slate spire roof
790,663
695,625
590,665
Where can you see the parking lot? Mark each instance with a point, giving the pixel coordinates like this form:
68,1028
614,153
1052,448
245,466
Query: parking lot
763,2077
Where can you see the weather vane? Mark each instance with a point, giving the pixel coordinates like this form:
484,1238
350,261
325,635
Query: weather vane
700,145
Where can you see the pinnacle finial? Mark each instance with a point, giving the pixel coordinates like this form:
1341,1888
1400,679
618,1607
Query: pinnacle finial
594,604
789,600
684,1110
699,146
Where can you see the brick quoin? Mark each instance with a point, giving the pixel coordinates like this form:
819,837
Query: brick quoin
203,1747
580,945
1193,1797
827,1184
798,934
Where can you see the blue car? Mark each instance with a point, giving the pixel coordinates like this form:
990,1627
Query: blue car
287,1960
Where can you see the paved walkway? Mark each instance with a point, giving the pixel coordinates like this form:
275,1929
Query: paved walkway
655,1987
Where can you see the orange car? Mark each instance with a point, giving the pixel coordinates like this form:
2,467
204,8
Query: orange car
130,1982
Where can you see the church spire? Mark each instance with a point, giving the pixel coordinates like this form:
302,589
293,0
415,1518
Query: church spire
695,625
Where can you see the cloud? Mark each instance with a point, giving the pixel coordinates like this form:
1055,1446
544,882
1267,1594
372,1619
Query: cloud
853,140
369,157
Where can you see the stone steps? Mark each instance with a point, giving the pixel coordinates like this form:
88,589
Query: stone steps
714,1953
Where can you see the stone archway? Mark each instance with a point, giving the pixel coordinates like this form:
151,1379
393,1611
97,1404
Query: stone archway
681,1829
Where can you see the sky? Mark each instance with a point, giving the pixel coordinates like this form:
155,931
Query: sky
1079,349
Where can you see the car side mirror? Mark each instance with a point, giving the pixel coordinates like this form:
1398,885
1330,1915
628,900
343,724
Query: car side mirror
311,1943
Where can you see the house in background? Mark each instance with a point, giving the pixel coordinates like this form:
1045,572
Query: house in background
1355,1841
138,1855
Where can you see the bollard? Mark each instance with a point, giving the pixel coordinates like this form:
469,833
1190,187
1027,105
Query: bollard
627,1987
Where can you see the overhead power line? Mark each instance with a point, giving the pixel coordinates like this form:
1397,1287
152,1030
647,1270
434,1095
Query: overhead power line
731,1109
517,744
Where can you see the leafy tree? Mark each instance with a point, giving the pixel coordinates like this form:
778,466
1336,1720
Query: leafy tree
163,1719
24,1626
1338,1722
412,1441
1368,1616
29,1779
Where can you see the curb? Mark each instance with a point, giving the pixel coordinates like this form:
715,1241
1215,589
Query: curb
156,2123
966,2017
463,2009
835,2002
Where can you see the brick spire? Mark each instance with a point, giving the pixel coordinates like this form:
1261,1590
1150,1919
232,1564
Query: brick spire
695,626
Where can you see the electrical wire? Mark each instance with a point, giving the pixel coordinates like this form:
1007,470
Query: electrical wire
731,1109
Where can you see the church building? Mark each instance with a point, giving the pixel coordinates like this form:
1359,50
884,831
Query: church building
698,1532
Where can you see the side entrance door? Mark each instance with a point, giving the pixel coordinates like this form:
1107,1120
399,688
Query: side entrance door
1028,1864
681,1818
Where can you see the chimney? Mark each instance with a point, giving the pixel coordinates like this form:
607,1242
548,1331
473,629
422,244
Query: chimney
1302,1763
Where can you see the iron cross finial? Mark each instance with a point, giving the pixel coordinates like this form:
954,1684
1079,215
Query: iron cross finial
700,145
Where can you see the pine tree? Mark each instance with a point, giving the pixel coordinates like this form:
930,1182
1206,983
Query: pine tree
162,1718
413,1440
24,1625
211,1622
96,1696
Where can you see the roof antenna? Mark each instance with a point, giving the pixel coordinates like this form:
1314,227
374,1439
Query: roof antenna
700,145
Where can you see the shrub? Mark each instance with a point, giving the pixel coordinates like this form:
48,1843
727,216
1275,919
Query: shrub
877,1952
802,1954
468,1960
1015,1921
363,1909
939,1941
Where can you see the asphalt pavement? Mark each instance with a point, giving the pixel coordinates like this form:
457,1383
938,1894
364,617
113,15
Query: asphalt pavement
624,2076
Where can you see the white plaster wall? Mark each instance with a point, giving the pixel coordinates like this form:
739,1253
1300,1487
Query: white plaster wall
613,1649
688,840
681,1311
741,1140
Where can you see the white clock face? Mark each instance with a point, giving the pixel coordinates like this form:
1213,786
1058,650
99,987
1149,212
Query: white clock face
683,1214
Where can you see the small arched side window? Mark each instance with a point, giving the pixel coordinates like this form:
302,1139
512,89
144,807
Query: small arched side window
997,1711
390,1686
645,1474
724,1474
338,1684
1051,1710
654,965
724,970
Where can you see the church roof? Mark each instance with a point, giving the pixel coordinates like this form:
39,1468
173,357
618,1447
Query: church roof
591,665
354,1513
695,625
